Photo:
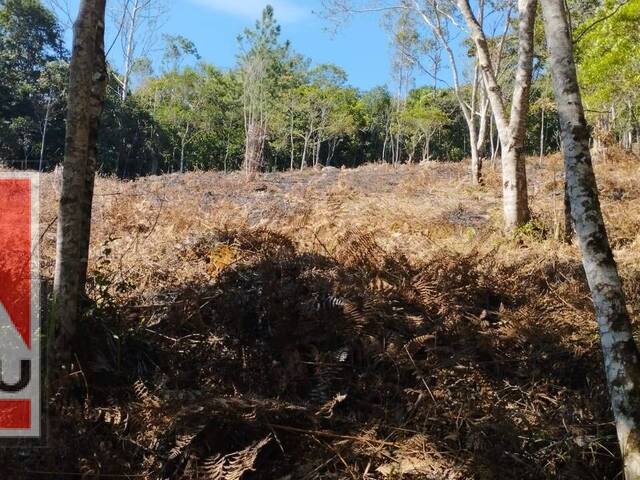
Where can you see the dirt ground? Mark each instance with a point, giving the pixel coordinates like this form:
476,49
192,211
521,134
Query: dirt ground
373,323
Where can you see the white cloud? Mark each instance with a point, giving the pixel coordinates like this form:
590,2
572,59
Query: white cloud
286,11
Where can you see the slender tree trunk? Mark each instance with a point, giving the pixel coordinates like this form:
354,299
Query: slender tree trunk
384,147
470,117
476,161
303,162
427,144
393,150
183,145
253,145
316,160
621,358
491,143
482,129
128,60
44,134
541,135
292,144
226,153
87,87
569,229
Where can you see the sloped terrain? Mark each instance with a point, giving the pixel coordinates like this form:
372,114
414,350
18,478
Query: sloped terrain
370,323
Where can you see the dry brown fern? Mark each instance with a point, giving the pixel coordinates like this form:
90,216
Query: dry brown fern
143,394
416,344
234,465
360,249
326,410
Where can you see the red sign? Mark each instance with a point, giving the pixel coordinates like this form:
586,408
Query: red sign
19,306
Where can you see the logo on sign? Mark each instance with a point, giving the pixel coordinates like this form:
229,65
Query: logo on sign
19,307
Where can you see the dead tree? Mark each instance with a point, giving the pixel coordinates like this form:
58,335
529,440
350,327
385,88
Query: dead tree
620,352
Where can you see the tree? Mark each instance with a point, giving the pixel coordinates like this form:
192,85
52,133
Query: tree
341,119
512,131
544,105
179,101
87,87
221,120
331,106
609,67
620,352
137,22
375,107
305,108
405,40
30,43
132,141
260,63
286,120
176,49
52,93
438,17
423,118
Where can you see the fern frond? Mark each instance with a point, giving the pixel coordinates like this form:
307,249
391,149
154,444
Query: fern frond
143,394
416,344
234,465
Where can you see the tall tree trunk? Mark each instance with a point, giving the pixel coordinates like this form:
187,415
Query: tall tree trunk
44,134
569,230
517,210
512,133
87,87
253,146
620,352
470,117
393,150
491,142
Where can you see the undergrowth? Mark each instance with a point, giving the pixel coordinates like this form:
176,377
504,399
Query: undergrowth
365,331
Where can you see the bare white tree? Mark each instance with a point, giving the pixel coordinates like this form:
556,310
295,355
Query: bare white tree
137,23
441,18
512,130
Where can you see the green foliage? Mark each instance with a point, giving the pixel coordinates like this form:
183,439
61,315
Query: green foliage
420,120
609,56
609,61
32,70
193,115
176,49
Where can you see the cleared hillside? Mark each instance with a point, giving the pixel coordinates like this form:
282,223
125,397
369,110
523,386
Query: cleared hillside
367,323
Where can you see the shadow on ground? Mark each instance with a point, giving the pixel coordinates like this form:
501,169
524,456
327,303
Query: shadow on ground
353,364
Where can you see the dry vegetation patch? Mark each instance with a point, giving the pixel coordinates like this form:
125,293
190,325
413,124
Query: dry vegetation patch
369,323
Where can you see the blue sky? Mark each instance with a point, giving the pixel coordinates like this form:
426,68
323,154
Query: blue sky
361,46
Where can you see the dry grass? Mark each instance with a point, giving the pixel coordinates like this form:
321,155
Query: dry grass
371,323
